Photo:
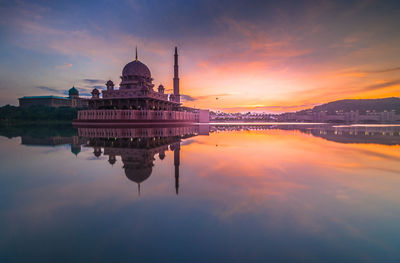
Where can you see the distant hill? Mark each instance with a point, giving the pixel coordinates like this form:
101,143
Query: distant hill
361,105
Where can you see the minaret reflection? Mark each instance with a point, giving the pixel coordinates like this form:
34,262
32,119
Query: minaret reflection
176,164
138,147
176,148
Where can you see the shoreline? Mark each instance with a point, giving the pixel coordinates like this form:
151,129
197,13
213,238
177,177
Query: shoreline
74,123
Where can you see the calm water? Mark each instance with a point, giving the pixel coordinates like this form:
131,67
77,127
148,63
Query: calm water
200,194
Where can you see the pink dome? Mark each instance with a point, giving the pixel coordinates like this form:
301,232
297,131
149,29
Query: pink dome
136,68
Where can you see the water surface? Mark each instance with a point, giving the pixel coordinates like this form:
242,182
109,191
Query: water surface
227,193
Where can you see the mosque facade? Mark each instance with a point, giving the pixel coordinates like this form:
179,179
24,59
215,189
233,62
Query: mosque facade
137,101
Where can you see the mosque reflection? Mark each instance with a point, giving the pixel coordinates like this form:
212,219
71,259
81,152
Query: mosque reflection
138,147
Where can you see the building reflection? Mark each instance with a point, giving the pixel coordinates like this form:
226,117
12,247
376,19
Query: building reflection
75,142
137,147
378,134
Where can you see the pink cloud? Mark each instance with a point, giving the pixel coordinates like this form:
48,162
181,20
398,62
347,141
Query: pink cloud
64,66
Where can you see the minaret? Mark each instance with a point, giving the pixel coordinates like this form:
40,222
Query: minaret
176,77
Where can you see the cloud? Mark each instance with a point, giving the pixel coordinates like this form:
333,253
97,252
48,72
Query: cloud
64,66
84,42
383,85
89,89
362,73
51,89
187,98
195,98
383,70
94,81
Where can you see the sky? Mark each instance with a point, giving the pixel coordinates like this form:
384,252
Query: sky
235,56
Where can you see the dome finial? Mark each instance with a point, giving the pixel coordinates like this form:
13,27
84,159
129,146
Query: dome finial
136,54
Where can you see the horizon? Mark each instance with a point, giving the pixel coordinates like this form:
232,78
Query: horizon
262,57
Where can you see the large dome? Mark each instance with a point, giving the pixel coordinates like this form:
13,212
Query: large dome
138,174
136,68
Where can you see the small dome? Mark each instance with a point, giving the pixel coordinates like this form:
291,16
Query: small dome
73,91
75,149
97,152
136,68
112,159
95,90
109,83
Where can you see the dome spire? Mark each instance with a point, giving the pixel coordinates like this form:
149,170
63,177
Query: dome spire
136,54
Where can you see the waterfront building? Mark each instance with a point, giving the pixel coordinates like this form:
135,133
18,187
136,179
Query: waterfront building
73,100
136,101
341,117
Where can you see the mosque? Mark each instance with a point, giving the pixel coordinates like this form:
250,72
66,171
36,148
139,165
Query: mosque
136,101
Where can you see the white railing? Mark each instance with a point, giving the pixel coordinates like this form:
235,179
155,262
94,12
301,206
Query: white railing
136,132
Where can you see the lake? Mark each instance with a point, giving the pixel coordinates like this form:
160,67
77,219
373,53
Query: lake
218,193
